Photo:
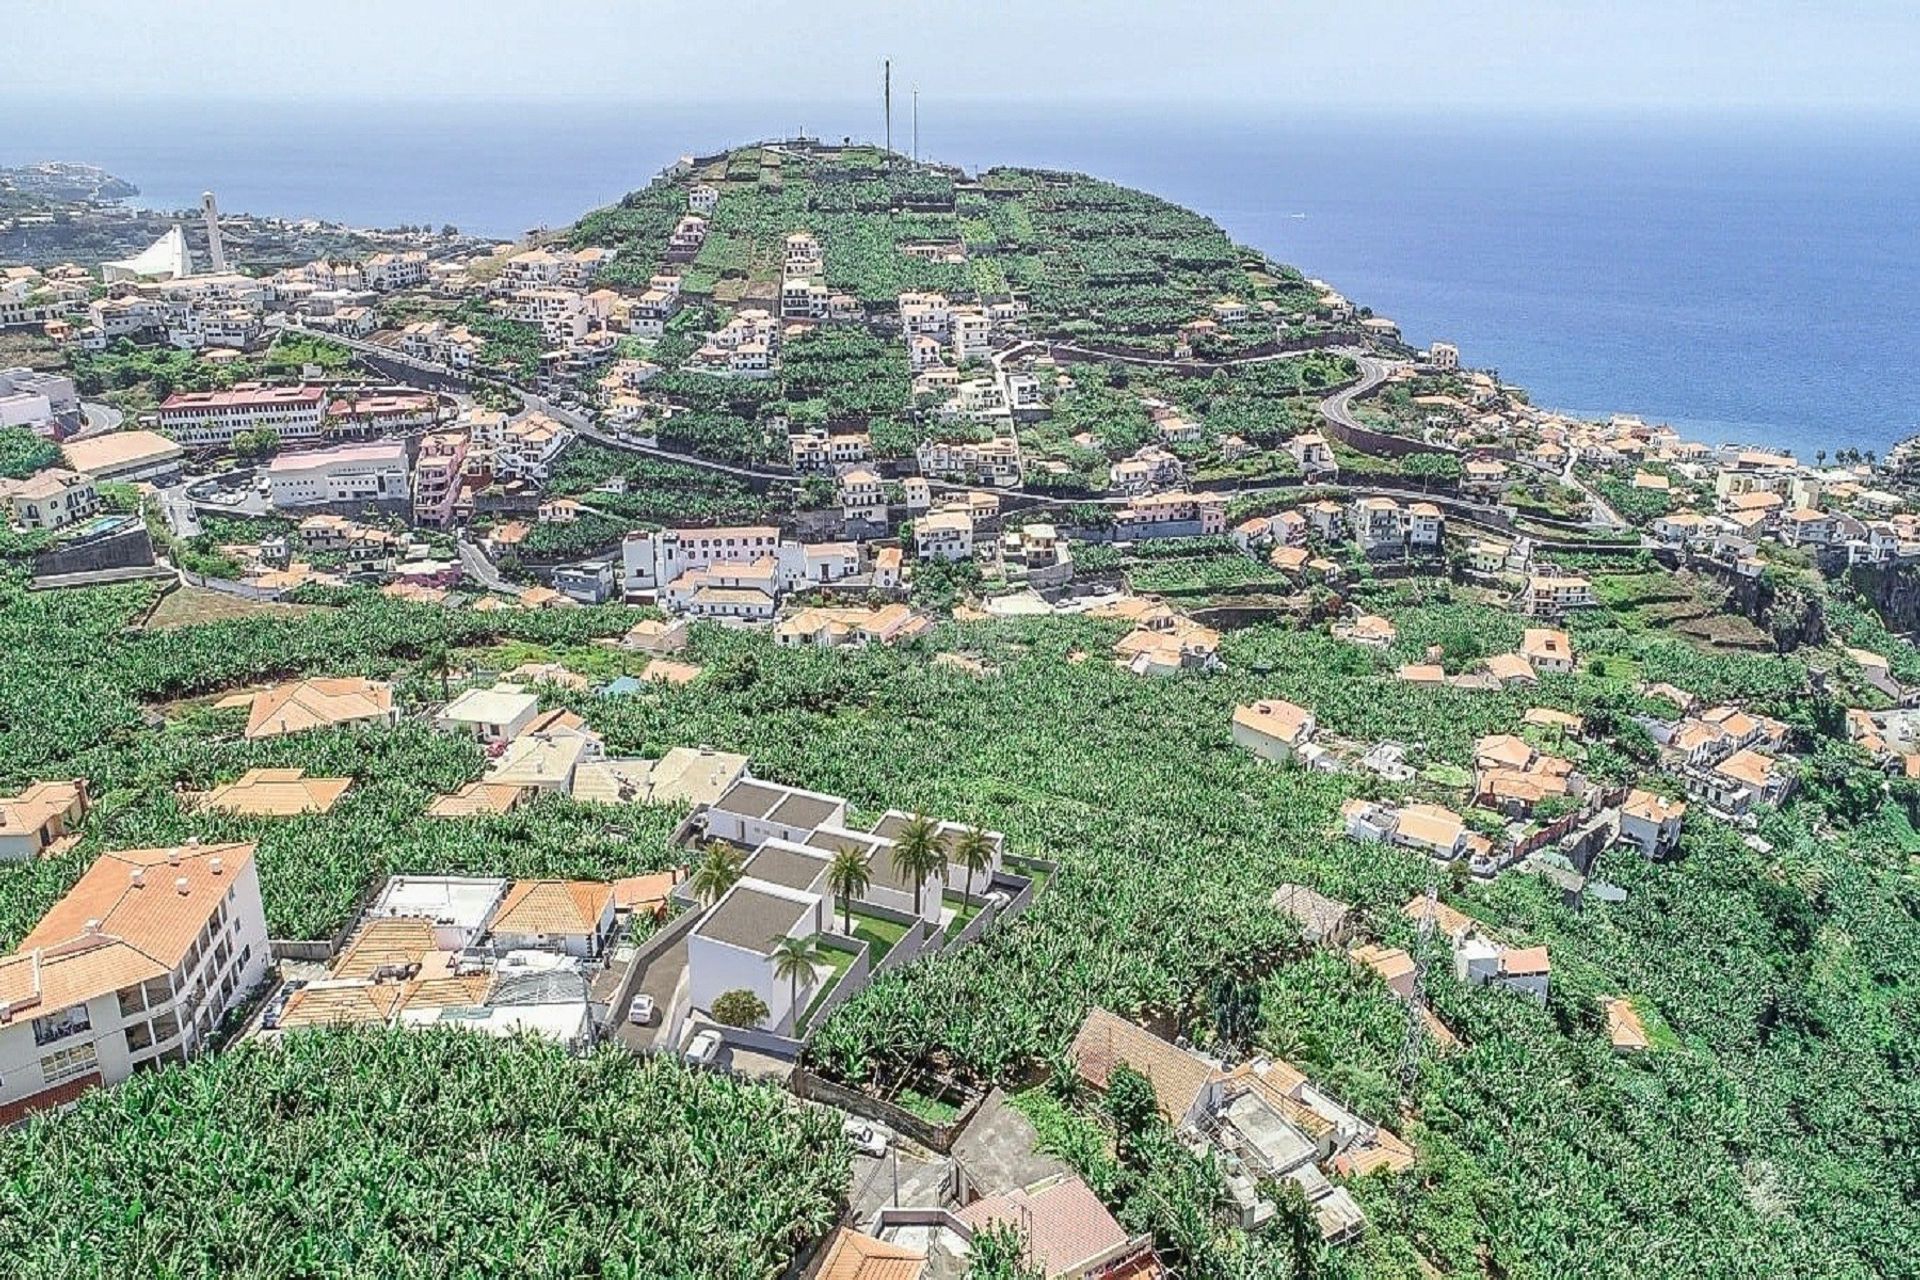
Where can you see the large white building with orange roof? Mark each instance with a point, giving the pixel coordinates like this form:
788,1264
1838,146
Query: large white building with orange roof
133,968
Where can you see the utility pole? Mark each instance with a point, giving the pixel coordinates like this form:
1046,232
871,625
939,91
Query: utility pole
1408,1068
886,104
916,124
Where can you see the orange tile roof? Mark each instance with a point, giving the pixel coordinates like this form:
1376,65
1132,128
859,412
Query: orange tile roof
1447,920
477,798
850,1255
1525,961
1624,1027
277,793
1106,1041
1066,1226
40,803
138,931
570,907
1287,721
317,703
644,893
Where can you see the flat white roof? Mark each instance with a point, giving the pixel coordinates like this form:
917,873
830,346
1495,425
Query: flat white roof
465,901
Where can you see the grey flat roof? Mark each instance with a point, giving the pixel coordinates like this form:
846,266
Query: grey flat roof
803,811
784,866
751,918
751,799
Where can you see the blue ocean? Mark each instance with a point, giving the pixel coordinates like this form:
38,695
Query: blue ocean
1743,279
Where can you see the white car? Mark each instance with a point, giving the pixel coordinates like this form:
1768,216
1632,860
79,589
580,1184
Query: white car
640,1012
705,1049
867,1139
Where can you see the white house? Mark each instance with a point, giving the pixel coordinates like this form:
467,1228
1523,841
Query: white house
572,917
492,716
731,949
1651,823
944,535
373,471
753,812
1273,729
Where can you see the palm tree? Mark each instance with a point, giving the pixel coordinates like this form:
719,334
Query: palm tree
974,851
716,873
1820,457
917,853
437,662
848,876
794,958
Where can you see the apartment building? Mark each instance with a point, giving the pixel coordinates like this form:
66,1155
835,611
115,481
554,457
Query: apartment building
389,271
862,495
970,334
436,476
992,462
211,419
1548,594
452,345
1171,515
651,559
944,535
132,969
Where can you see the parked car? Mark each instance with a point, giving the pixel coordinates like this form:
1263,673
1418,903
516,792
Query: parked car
270,1016
640,1012
705,1049
867,1139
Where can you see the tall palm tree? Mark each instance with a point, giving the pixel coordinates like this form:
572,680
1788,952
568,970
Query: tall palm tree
848,876
793,959
716,873
974,851
917,853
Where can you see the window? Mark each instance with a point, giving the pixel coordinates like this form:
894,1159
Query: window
58,1026
66,1064
132,1000
139,1036
166,1026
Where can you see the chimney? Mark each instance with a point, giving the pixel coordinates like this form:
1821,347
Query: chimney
216,865
90,928
180,885
173,856
138,877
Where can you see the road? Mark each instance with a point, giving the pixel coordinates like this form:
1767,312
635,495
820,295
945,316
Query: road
474,564
101,419
1602,513
177,508
1338,407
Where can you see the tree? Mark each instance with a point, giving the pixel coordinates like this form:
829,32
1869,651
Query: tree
997,1252
917,853
1133,1106
974,851
716,873
848,876
741,1008
1294,1222
437,662
793,959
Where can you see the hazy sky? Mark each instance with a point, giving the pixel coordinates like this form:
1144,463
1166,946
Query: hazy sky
1535,56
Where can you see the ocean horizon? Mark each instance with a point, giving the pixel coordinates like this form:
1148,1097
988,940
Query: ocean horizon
1743,279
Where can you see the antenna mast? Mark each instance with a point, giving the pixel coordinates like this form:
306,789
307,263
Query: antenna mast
916,124
886,100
